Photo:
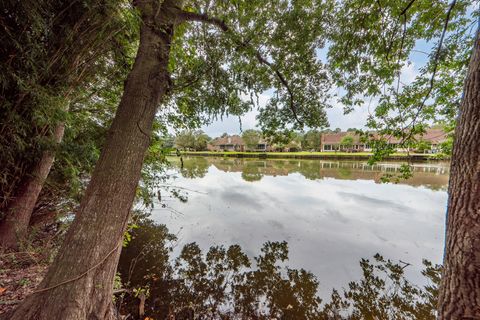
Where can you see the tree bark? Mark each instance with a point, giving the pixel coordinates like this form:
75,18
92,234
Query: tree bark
13,228
460,288
79,283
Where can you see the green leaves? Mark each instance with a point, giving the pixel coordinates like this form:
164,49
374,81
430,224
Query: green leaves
347,142
60,62
251,138
375,43
269,45
192,140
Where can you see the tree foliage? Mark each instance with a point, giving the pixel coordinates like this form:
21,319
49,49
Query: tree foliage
251,138
56,56
347,142
192,140
311,140
369,58
241,50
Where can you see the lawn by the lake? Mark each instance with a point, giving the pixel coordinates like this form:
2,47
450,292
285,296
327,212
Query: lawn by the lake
303,153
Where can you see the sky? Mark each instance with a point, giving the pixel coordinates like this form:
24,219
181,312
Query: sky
336,116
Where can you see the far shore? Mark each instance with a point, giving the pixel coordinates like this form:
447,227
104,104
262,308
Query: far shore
315,155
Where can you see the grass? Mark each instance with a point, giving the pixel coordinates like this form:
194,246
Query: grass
301,153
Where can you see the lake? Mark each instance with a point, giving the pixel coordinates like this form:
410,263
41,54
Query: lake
331,213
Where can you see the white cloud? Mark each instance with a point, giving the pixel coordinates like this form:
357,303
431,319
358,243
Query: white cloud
408,73
336,117
355,119
231,124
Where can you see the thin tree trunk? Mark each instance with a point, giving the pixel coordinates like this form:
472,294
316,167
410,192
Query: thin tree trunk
460,289
79,283
13,228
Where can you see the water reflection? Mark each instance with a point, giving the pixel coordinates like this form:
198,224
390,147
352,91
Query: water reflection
224,283
332,214
433,175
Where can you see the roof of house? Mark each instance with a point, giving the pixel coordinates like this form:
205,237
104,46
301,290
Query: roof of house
336,138
233,140
435,136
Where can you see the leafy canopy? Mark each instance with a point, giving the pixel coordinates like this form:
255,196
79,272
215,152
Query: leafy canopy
229,52
251,138
374,42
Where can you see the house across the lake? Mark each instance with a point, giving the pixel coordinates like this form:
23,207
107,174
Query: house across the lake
432,139
263,146
235,143
335,141
227,143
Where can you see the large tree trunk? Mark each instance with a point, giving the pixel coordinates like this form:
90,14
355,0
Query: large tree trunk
79,283
13,228
460,288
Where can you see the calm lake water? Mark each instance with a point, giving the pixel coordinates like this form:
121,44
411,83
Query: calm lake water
331,213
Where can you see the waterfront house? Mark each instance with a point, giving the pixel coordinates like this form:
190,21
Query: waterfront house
236,143
333,141
227,143
263,146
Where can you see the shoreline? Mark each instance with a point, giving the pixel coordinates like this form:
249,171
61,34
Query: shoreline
314,155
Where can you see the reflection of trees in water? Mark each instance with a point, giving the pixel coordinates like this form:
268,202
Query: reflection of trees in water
194,167
224,283
251,172
431,176
345,173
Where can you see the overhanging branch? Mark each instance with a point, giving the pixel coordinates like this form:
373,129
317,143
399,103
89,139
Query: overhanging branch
404,11
436,61
184,16
200,17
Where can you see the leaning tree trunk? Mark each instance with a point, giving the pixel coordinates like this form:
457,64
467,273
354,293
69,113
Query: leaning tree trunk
13,228
460,289
79,283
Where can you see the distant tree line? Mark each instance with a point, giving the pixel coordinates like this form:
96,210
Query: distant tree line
196,140
87,87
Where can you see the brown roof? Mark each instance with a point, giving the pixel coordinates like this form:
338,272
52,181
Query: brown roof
336,138
234,140
435,136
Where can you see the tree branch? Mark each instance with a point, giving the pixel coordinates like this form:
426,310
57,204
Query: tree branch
435,67
407,7
435,62
201,17
439,49
184,16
